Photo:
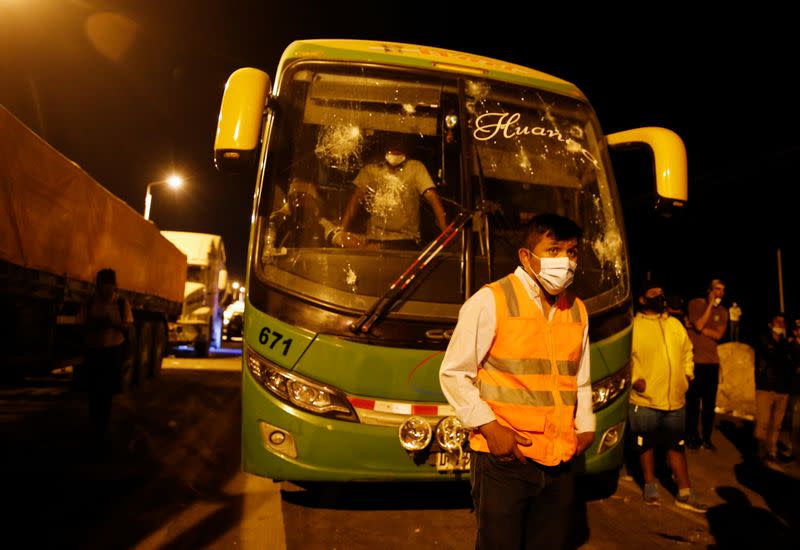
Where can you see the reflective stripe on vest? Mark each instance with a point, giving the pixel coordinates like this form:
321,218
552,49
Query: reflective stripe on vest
529,375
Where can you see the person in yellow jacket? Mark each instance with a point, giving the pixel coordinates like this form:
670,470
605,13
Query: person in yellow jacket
663,364
517,373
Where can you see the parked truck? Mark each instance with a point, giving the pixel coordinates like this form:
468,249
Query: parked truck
200,322
58,227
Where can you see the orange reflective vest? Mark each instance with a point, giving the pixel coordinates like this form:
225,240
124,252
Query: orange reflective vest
529,375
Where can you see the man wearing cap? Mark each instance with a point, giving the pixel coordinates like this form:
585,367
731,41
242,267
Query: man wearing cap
662,367
708,322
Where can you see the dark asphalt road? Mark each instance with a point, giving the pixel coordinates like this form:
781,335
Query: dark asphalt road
171,479
173,444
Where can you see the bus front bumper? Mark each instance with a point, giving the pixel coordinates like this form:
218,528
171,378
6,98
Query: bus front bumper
285,443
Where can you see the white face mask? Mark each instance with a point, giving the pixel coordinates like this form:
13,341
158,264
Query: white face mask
395,160
555,274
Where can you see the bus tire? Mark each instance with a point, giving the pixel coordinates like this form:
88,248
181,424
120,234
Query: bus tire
600,485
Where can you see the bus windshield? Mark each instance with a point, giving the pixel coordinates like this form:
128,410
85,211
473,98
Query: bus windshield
366,164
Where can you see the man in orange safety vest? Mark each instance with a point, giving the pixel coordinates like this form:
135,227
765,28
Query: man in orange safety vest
517,373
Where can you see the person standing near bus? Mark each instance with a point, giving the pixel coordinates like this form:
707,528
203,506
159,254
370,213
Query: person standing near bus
662,367
735,314
390,191
517,373
708,322
106,317
774,372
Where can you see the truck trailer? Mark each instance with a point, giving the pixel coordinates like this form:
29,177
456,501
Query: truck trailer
58,227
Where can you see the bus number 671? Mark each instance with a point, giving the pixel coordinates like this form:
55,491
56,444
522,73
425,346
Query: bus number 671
264,338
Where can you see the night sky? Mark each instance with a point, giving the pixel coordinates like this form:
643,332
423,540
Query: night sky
130,90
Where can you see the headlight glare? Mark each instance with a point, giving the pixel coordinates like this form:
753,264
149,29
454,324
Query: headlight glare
450,434
305,393
415,433
298,391
607,390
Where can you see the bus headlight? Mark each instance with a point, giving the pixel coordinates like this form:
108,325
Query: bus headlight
299,391
415,433
450,434
607,390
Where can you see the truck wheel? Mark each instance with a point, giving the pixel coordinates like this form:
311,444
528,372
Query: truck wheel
130,368
201,349
159,346
145,354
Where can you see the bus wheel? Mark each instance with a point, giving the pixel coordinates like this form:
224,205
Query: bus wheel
600,485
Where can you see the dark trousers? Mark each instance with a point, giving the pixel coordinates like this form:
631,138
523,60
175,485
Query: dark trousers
103,379
702,392
521,506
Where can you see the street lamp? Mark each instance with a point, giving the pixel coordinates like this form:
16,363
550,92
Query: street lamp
172,181
238,290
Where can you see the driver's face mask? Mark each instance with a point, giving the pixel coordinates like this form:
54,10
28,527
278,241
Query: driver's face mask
395,158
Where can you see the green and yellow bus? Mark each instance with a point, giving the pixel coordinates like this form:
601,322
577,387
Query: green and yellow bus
344,330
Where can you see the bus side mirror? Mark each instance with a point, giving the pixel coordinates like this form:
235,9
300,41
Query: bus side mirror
240,116
669,162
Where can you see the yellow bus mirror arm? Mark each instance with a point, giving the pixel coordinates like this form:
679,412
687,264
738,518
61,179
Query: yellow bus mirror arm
669,155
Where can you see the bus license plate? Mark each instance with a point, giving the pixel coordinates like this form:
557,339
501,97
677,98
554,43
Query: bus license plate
452,462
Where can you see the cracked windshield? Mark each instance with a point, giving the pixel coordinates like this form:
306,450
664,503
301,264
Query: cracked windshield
365,169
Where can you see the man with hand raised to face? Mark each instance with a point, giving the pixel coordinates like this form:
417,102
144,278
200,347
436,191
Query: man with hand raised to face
517,373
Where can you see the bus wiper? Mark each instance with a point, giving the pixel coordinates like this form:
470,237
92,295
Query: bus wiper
395,291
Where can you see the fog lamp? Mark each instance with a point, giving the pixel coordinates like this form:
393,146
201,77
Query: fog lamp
611,438
450,434
277,439
415,433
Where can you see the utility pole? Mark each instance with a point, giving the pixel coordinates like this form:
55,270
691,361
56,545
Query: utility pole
780,281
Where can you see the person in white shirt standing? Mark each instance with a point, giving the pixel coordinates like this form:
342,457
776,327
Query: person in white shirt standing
517,373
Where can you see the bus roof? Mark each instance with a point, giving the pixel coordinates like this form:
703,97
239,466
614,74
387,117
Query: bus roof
426,57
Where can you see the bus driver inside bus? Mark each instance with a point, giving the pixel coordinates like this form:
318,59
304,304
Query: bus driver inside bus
390,190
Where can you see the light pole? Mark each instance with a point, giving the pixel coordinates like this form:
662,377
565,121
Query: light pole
172,181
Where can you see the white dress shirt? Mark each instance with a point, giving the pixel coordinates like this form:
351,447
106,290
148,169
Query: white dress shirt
471,340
